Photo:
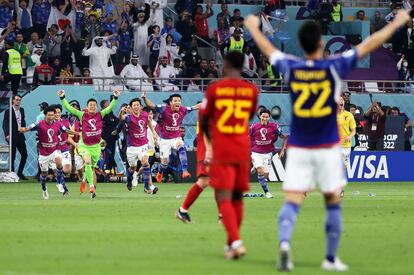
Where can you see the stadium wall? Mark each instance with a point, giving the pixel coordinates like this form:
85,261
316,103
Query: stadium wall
82,93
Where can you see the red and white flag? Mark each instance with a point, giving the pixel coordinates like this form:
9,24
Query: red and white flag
58,18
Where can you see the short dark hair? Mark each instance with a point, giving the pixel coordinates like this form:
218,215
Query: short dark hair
235,60
44,59
352,106
57,106
264,111
135,100
14,97
172,96
395,108
236,10
310,35
102,102
148,109
168,18
49,109
91,100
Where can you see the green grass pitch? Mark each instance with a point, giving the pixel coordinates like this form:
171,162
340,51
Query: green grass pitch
123,232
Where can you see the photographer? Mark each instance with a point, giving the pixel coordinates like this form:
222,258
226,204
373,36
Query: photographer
375,126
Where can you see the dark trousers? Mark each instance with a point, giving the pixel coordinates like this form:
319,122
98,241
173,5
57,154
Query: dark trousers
153,59
27,35
375,145
15,82
20,145
123,57
40,29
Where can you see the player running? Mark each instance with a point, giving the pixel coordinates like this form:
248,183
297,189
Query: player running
228,106
347,131
314,156
203,178
63,145
264,134
89,147
137,143
172,114
49,156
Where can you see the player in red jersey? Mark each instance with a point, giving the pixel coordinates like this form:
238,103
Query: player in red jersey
203,178
228,106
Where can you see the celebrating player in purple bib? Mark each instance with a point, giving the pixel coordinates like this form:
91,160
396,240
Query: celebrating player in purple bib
49,156
172,114
263,136
63,145
137,143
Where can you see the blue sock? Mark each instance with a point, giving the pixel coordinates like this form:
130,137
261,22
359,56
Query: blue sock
287,220
333,230
146,176
43,182
162,168
60,178
263,182
182,153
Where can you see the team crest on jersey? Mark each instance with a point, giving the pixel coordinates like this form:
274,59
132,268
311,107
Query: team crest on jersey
263,133
141,126
175,118
92,123
50,133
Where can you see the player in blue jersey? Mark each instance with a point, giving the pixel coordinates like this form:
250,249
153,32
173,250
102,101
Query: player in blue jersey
314,156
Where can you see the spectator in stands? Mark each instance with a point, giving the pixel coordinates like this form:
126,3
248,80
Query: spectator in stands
347,100
378,22
35,41
126,15
408,130
337,15
67,45
18,139
195,84
360,16
235,43
375,126
178,67
159,6
249,66
273,77
224,15
169,48
79,17
6,14
40,16
141,36
154,45
52,41
236,17
21,47
134,70
192,61
55,64
236,24
110,123
166,73
24,17
99,56
201,22
403,71
110,23
188,6
185,26
33,61
213,67
125,41
66,75
11,70
86,77
168,26
44,74
93,26
402,38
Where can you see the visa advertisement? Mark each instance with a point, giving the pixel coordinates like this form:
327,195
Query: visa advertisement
381,166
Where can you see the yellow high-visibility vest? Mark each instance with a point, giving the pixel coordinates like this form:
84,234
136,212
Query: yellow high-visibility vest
236,46
336,13
14,62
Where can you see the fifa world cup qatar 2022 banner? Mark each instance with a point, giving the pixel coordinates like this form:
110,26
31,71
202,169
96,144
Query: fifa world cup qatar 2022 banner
384,166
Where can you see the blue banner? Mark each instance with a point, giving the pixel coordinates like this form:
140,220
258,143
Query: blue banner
381,167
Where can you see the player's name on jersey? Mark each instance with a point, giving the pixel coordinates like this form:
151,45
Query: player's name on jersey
310,75
231,91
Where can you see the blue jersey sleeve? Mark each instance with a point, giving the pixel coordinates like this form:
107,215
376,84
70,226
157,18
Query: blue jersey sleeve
160,108
279,131
283,62
189,109
34,126
345,62
127,119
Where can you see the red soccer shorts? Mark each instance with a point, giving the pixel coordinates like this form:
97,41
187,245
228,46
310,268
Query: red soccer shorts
230,176
203,170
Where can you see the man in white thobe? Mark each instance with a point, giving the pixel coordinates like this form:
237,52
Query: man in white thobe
134,70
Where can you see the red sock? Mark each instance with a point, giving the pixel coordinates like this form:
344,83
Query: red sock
192,195
238,208
229,220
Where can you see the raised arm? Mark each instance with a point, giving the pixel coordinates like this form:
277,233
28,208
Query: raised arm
112,105
377,39
252,23
67,106
147,101
197,106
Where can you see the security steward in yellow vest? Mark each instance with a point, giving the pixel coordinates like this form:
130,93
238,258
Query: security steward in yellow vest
236,43
12,68
336,11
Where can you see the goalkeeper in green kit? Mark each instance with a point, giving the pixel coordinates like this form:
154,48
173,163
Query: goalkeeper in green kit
89,147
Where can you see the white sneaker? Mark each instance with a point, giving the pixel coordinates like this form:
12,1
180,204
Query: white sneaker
268,195
135,179
338,265
284,262
60,188
45,195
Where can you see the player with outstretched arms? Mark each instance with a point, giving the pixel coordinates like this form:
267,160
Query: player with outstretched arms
228,106
89,147
49,155
137,143
314,155
173,114
63,145
264,134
